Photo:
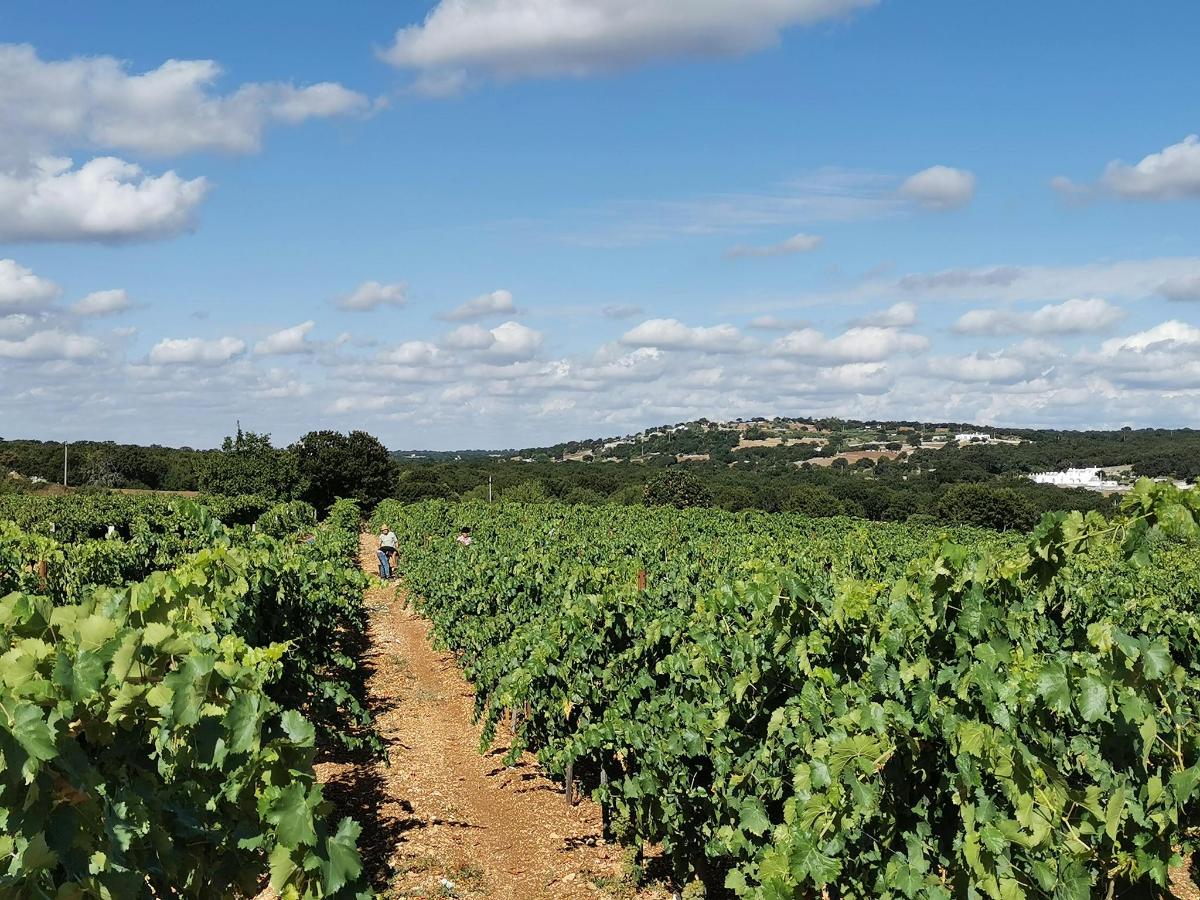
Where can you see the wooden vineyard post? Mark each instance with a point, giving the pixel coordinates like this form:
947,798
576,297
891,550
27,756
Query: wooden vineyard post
641,580
603,804
43,571
569,778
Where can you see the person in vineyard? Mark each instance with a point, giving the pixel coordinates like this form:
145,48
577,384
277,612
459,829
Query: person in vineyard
387,552
464,536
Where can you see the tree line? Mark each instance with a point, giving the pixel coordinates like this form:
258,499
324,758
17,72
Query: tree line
979,485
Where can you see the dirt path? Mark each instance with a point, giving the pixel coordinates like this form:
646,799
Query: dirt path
443,819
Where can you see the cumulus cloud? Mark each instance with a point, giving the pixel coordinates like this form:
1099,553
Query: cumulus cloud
96,102
23,291
854,378
51,345
105,199
940,188
372,295
170,110
196,351
1171,335
868,343
797,243
1170,174
531,38
898,315
413,353
1164,357
613,363
671,334
513,341
1076,316
103,303
287,341
506,343
469,337
496,303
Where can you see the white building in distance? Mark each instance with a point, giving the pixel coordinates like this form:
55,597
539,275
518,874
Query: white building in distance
1080,478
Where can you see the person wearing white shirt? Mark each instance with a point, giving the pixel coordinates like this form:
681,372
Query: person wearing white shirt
388,548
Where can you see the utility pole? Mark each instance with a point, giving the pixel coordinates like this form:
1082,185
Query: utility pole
65,463
489,489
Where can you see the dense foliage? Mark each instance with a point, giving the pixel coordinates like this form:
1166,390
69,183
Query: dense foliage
353,465
678,488
156,695
324,465
794,706
248,464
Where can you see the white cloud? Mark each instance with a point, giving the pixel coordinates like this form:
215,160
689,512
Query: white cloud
529,38
1184,288
940,188
671,334
170,110
898,315
496,303
1170,174
51,345
105,199
469,337
1076,316
21,290
797,243
506,343
868,343
979,368
413,353
1172,335
196,351
287,341
855,378
372,295
1165,357
16,325
103,303
513,341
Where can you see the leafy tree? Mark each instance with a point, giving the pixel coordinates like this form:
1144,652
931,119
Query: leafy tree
248,464
678,488
813,501
735,497
355,466
989,507
425,483
531,490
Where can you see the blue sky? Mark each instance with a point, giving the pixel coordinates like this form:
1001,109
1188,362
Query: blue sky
939,210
